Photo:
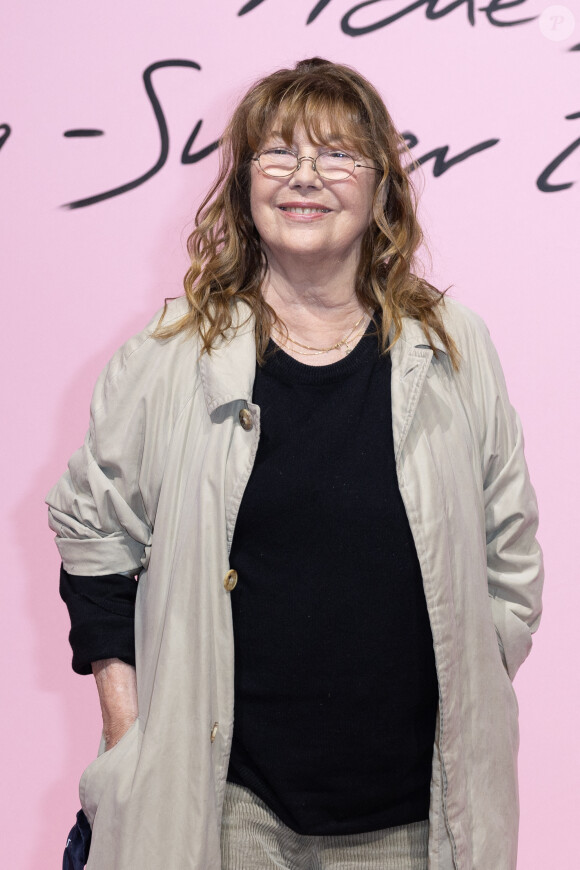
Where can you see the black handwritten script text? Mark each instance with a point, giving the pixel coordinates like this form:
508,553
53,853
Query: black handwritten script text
434,9
5,132
441,161
439,155
543,181
187,156
82,131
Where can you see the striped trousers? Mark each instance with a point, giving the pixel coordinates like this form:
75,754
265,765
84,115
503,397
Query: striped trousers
254,838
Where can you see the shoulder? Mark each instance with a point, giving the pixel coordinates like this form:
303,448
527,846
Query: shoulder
145,365
143,347
478,355
169,371
465,326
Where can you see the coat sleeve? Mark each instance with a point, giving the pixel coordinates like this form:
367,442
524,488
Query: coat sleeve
514,557
96,508
103,507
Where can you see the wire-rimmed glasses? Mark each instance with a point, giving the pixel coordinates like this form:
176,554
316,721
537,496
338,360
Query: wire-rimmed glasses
334,165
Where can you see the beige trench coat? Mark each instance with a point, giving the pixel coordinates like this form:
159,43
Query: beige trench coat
157,485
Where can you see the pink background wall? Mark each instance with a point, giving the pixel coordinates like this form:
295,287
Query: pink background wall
77,282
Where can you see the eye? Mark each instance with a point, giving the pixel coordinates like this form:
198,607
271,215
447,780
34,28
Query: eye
279,150
337,155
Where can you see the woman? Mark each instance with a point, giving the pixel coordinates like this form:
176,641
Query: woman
312,466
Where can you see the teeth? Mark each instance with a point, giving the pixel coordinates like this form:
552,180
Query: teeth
294,210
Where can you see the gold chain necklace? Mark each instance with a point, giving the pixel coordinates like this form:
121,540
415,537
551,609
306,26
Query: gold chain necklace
316,351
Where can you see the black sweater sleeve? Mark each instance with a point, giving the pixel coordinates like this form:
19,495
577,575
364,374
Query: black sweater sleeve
102,615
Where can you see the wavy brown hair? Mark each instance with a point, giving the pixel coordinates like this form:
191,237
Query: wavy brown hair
227,260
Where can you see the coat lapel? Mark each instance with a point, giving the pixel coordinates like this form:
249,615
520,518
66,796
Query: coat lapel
411,357
228,372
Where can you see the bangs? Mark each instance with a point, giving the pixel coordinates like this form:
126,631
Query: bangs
329,119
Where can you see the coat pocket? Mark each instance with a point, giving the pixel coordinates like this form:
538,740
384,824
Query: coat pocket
513,635
106,768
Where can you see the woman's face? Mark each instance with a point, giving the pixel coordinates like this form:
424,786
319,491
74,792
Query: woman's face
306,216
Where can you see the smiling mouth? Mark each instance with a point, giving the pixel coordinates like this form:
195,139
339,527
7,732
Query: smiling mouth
296,210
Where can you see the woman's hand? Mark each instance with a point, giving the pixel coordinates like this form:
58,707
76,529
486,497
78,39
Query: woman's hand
117,687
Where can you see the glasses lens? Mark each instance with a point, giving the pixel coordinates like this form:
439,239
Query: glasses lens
278,161
335,165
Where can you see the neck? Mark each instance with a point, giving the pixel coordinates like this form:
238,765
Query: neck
312,296
315,280
316,313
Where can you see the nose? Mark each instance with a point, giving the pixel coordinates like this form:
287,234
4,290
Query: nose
306,175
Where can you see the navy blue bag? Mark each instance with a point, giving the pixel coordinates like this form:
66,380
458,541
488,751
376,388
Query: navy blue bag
76,851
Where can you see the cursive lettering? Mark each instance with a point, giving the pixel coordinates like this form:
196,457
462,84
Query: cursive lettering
497,5
247,7
78,133
542,181
433,11
320,6
439,155
186,157
5,131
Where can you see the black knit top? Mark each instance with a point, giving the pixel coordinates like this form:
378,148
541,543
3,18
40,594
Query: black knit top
335,682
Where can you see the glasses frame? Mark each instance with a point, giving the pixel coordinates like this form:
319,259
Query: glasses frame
313,160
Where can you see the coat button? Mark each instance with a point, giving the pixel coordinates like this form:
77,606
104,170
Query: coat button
246,419
214,732
230,580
